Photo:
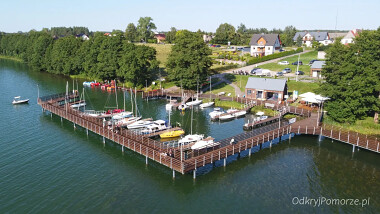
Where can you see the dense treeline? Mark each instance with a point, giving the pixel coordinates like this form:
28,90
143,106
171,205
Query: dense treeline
67,31
103,57
352,74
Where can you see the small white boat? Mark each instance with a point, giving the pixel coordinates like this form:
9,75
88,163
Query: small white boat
126,121
215,113
18,100
78,105
190,139
156,126
122,115
239,113
139,124
182,107
263,117
226,117
205,143
194,103
205,105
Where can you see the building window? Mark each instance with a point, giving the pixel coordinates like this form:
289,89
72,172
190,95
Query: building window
268,48
249,92
259,94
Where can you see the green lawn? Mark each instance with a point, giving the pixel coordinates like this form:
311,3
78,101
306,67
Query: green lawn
366,126
223,87
305,58
302,87
163,52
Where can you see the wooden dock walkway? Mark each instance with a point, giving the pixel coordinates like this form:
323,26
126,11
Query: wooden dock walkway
185,161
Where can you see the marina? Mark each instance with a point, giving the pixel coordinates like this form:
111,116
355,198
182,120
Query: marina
186,161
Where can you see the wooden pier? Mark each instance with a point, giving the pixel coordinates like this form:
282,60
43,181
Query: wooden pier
187,161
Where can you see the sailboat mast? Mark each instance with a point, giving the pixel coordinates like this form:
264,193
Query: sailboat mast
191,123
84,100
124,97
117,104
132,100
210,88
136,100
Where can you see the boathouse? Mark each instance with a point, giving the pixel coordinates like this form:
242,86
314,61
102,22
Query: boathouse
266,89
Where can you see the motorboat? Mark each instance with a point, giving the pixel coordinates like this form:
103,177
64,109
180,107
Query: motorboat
205,105
78,105
18,100
238,113
156,126
217,112
122,115
264,117
88,83
182,107
226,117
190,139
93,113
139,124
205,143
126,121
171,134
194,102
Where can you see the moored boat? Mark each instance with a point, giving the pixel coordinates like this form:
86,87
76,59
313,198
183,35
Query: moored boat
18,100
171,134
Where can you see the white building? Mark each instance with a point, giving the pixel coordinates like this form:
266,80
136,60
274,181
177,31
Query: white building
308,37
264,44
349,38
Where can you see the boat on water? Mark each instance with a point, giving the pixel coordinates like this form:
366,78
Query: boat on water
214,114
264,117
18,100
139,124
236,113
208,104
194,102
78,105
126,121
88,83
172,134
226,117
190,139
121,115
157,125
205,143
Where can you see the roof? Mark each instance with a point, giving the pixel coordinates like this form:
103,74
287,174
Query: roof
352,34
336,35
266,84
160,36
318,36
317,64
269,38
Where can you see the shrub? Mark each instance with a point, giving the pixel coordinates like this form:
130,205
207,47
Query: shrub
273,56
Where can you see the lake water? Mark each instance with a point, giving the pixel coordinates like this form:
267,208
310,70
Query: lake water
47,166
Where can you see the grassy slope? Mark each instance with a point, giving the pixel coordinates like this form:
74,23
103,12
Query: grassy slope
366,126
163,52
305,58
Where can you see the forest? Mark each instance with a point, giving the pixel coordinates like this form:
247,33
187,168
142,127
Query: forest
102,57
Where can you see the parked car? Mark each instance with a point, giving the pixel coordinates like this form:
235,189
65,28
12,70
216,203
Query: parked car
300,73
253,71
297,63
217,46
279,74
286,70
283,63
282,50
312,61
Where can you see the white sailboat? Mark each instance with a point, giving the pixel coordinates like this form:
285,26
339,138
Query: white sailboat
82,103
196,101
214,114
191,137
208,104
205,143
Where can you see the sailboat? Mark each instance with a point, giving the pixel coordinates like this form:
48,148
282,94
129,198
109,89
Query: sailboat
82,103
195,102
205,105
191,138
205,143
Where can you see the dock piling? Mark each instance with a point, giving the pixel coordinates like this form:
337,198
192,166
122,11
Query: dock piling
353,148
194,173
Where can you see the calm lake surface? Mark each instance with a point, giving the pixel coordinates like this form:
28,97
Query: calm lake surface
48,167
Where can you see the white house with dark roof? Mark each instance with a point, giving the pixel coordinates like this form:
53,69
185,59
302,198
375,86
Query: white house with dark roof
264,44
266,89
308,37
316,69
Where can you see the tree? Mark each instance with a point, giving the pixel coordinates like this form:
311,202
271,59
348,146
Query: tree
287,35
353,78
299,41
225,33
138,64
131,32
189,60
145,27
170,36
